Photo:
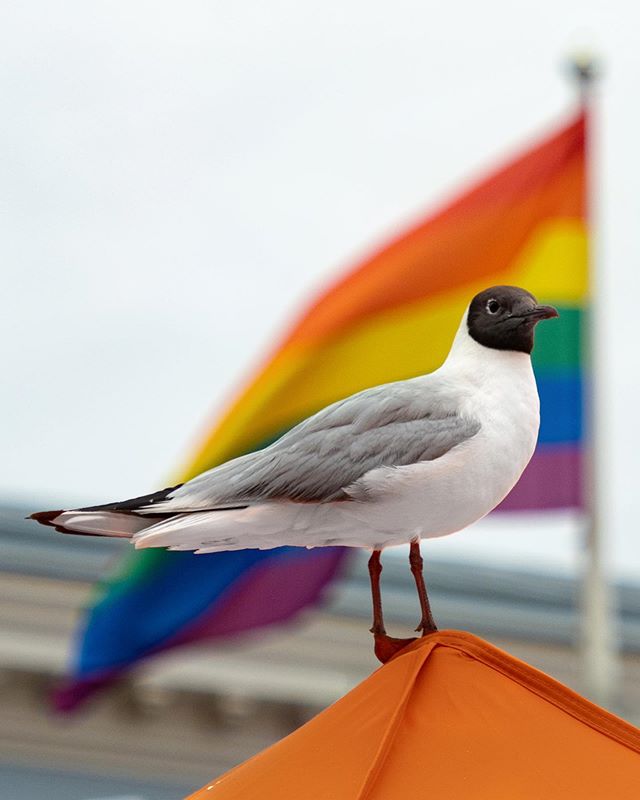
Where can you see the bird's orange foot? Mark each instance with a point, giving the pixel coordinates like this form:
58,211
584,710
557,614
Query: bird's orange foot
386,647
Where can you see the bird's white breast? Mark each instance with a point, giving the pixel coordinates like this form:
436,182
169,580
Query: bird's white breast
435,498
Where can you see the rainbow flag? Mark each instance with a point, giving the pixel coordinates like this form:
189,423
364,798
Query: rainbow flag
392,317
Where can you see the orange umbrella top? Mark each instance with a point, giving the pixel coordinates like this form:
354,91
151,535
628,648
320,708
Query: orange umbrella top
449,716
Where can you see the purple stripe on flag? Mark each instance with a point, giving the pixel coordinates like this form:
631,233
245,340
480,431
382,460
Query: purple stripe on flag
553,479
266,594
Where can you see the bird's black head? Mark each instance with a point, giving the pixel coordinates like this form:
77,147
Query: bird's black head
505,317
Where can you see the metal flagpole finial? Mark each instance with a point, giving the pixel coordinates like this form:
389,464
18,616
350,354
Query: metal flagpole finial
584,68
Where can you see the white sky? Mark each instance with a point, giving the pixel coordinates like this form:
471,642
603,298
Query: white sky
175,178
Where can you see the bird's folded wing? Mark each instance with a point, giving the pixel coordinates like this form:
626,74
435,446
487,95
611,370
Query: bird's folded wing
393,425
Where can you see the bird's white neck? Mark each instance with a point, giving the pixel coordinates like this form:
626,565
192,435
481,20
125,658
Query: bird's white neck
476,360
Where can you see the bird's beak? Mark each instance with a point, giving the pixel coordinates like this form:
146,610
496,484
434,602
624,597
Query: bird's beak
540,312
545,312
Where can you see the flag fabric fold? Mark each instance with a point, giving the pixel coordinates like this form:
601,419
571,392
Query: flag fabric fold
391,317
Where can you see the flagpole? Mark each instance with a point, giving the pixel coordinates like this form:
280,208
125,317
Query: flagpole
597,649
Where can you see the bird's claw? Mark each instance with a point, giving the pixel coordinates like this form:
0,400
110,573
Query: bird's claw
425,627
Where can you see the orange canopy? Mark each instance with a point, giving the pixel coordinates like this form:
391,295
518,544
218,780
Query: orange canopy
450,716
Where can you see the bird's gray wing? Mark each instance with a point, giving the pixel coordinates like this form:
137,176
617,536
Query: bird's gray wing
387,426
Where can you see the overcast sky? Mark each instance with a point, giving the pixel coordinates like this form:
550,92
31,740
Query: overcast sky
176,178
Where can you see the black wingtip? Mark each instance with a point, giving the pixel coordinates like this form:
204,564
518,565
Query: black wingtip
45,517
135,503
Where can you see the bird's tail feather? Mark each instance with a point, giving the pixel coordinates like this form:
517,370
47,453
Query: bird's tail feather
120,520
94,523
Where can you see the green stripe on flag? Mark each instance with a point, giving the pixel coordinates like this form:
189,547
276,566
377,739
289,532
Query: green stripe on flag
558,340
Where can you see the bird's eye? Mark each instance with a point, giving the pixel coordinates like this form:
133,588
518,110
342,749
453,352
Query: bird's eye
493,306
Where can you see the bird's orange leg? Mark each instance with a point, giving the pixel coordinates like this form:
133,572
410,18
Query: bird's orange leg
385,646
427,623
375,570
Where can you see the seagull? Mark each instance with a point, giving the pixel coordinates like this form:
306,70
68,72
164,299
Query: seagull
390,465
